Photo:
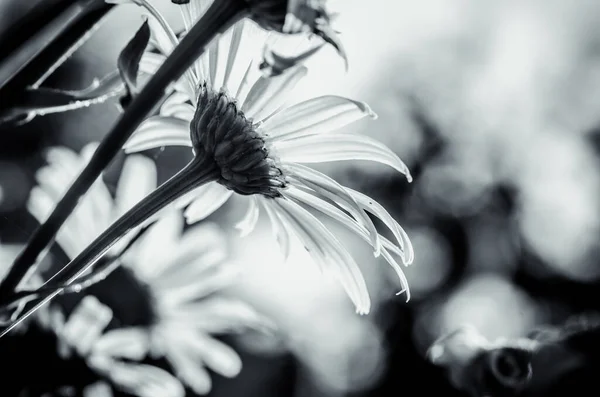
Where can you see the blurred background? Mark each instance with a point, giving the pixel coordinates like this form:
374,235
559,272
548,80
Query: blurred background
495,108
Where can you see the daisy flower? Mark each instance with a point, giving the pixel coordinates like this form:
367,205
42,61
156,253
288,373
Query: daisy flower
182,274
245,141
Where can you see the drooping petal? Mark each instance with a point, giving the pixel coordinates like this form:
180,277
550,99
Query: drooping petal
300,196
379,211
209,199
280,231
339,147
159,131
326,186
248,222
337,260
315,116
269,93
399,272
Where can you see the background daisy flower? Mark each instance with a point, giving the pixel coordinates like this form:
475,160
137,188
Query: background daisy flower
183,276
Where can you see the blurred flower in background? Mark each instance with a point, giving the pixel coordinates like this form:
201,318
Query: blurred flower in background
179,277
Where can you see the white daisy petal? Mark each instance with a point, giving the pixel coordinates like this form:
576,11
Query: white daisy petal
379,211
209,199
329,188
336,256
154,251
339,147
188,368
137,180
98,196
242,69
150,62
85,324
98,389
248,222
399,272
213,62
94,210
307,196
174,107
268,93
145,380
159,131
316,116
216,355
191,289
64,157
311,244
161,32
198,269
57,323
279,229
234,37
299,196
219,315
200,248
131,343
40,205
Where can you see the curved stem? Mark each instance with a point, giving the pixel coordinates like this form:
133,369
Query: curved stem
198,172
221,15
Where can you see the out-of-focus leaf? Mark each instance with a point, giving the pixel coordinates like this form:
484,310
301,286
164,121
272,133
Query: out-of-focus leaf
274,64
129,61
40,101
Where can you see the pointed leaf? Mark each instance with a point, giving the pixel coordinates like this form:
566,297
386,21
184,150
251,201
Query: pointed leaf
129,61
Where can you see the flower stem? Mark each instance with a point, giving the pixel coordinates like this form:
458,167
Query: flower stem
197,173
221,15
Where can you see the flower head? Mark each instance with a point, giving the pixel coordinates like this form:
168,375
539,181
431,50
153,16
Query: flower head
236,120
183,276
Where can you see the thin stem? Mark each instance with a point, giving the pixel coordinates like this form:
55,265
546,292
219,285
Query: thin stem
198,172
217,19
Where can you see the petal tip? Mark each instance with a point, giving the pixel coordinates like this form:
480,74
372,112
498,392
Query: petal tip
367,109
